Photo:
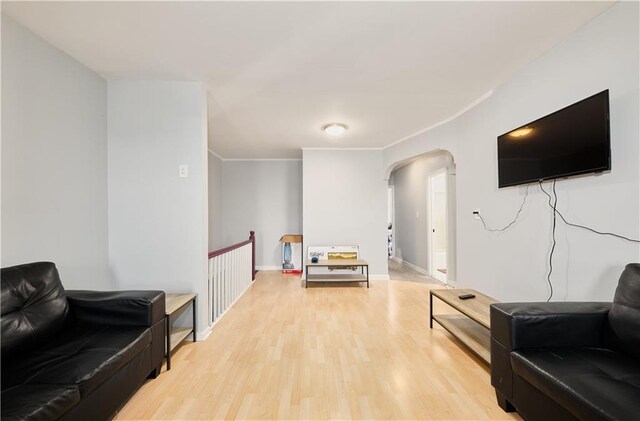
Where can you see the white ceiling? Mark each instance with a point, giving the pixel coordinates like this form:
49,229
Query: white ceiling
276,72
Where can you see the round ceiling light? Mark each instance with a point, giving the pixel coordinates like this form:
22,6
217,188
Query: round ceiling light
334,129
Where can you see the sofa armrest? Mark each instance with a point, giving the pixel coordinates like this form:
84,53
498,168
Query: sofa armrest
539,325
123,308
542,325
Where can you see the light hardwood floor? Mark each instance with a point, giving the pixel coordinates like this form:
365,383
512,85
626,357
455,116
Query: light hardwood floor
326,352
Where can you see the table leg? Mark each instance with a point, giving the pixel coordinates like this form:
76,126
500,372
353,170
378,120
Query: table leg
194,319
430,310
306,275
367,276
167,322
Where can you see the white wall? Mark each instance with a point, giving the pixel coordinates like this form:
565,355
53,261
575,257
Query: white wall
54,160
264,196
344,203
412,213
215,182
158,221
513,265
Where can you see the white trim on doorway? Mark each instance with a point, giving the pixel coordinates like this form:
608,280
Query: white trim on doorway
432,270
391,193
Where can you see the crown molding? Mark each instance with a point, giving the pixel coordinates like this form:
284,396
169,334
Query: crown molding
215,154
262,159
445,121
341,149
251,159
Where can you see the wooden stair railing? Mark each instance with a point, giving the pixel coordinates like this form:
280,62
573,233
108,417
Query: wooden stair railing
231,271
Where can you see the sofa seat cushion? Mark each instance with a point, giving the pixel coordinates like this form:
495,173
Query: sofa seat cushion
591,383
82,356
38,402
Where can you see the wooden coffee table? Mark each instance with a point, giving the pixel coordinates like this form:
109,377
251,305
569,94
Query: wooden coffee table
472,326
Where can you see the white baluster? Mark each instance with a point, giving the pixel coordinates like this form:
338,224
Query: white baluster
230,274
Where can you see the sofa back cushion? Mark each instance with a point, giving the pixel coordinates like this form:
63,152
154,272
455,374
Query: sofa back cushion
624,317
33,305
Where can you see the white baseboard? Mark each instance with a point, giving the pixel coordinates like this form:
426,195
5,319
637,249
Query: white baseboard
268,267
396,259
203,335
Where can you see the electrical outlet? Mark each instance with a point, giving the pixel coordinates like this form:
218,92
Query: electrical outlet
476,213
183,171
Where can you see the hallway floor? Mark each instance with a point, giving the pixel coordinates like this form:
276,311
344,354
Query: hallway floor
403,272
326,352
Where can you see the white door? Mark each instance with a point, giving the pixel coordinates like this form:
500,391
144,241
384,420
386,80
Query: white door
437,197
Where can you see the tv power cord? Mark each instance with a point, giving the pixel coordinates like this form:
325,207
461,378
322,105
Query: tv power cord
506,227
553,204
553,235
571,224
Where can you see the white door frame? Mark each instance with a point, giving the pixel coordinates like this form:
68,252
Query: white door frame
430,176
393,219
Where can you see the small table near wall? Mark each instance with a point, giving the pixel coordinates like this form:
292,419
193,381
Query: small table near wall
338,277
174,335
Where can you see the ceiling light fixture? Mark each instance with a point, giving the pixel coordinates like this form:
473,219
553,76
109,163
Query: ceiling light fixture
334,129
521,132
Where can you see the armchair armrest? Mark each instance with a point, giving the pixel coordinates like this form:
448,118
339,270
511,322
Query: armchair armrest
541,325
123,308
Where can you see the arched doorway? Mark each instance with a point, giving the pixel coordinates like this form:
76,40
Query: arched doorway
424,213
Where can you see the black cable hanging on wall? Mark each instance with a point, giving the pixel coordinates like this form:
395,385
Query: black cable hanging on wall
553,204
506,227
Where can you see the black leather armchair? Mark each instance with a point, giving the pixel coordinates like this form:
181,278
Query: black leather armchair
74,355
570,361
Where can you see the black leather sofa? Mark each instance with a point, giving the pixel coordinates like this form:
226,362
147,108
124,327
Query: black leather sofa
74,355
570,361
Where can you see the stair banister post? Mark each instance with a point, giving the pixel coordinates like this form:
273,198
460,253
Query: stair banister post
252,237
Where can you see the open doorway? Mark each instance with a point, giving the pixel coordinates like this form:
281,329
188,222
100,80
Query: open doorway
418,252
437,224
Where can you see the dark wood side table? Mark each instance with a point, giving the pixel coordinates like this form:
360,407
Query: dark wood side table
174,335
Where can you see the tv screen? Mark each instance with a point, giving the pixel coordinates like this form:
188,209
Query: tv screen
574,140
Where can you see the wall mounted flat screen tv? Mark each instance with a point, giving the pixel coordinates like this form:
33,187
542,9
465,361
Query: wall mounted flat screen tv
571,141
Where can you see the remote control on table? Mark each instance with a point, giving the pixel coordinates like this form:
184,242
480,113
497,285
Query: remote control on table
466,296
